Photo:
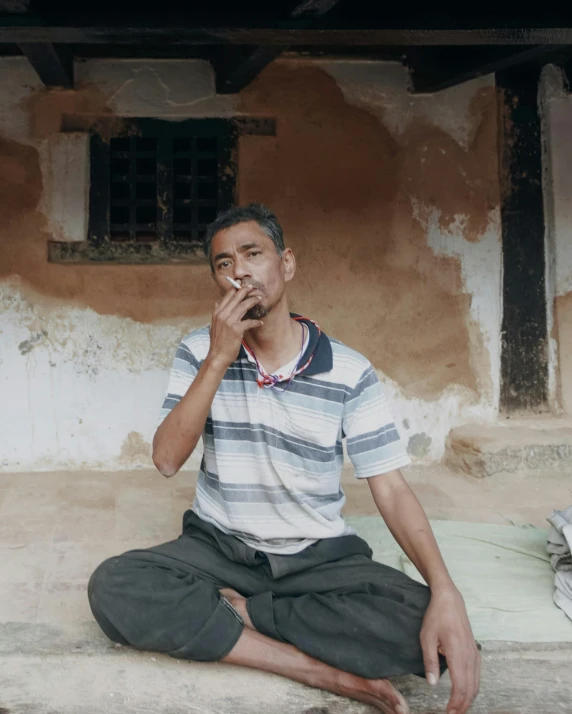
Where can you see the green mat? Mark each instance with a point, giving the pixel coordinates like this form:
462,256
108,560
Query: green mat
503,572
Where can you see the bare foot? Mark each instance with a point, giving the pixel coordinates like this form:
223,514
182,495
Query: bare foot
239,604
379,692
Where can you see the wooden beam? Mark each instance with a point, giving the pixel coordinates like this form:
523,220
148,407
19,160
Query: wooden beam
16,6
53,65
434,70
20,29
414,37
235,71
317,8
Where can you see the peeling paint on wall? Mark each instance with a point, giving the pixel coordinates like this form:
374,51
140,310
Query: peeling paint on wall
393,224
378,88
345,190
142,293
81,338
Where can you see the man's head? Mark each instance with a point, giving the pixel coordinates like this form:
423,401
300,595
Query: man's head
246,243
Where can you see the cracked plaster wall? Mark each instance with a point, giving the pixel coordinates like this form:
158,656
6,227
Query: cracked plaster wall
85,352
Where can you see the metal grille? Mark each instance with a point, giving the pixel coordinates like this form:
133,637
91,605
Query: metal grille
133,189
161,182
195,185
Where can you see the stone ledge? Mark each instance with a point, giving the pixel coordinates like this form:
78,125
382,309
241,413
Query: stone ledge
74,668
483,450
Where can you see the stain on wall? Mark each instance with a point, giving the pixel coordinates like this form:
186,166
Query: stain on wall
35,339
418,445
135,449
350,197
345,191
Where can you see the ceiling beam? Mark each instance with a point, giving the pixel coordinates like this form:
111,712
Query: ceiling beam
235,70
53,65
316,8
15,6
19,29
43,57
432,71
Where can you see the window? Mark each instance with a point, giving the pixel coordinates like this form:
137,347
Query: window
160,184
154,189
154,186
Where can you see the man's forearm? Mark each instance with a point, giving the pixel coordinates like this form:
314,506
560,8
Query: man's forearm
446,629
410,527
177,437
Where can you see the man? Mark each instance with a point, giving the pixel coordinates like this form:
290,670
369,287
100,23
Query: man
266,573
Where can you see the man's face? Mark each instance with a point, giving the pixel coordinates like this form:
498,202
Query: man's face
245,253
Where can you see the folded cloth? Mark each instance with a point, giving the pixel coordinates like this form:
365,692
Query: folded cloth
563,592
557,543
560,520
560,549
561,562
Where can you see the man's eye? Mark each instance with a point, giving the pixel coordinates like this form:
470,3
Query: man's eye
257,252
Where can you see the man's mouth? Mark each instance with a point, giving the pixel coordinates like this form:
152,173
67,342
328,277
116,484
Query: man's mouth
258,288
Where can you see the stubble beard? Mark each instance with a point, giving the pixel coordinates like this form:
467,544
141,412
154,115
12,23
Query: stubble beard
257,312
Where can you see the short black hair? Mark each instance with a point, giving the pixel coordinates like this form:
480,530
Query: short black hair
242,214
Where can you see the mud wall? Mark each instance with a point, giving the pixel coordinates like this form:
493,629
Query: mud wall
389,201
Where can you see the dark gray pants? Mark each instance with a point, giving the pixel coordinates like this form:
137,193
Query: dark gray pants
332,601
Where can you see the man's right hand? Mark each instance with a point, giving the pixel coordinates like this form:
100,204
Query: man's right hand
228,326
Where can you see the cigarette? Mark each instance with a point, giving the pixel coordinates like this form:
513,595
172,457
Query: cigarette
234,283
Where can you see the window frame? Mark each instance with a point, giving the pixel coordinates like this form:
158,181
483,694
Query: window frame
86,251
99,247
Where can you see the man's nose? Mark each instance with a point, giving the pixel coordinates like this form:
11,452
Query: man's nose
240,270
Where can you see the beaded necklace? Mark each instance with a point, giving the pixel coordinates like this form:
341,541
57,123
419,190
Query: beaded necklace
270,381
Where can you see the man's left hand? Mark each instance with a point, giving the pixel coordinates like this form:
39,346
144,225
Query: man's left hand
446,630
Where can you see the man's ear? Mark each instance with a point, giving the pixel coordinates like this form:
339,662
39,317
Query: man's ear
289,262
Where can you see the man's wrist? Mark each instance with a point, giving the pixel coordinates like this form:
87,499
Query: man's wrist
443,587
216,364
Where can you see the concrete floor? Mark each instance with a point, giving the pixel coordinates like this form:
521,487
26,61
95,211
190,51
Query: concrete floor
56,527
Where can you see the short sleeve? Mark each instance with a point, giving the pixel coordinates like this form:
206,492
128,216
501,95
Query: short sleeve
372,440
183,372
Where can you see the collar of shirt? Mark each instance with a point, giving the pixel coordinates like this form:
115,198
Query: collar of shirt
318,345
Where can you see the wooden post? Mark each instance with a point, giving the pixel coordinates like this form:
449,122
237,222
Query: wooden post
524,353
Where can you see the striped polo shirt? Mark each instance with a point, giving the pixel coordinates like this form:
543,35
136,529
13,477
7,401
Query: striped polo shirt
272,464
